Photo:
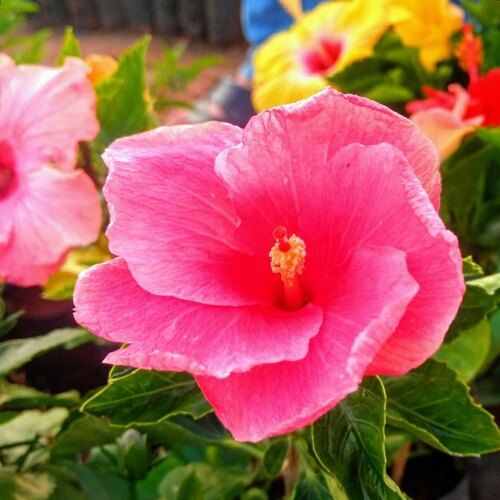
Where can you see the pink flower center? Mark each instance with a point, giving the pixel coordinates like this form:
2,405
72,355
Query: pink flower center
7,175
323,55
288,259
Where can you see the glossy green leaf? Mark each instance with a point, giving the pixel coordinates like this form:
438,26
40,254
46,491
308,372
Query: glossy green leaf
468,352
16,353
349,443
431,403
14,396
70,46
311,488
83,434
183,430
122,106
145,396
481,298
275,456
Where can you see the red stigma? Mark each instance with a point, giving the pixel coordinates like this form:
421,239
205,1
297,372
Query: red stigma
280,235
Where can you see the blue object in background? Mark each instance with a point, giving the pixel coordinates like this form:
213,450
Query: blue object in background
261,19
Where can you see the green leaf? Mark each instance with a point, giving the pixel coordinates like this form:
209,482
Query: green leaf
359,77
394,440
70,46
468,352
122,107
16,353
487,388
181,483
485,11
15,486
390,93
471,269
101,485
83,434
431,403
5,416
7,324
311,488
481,298
183,430
30,425
275,456
489,135
148,488
143,397
134,453
254,494
464,183
14,396
349,443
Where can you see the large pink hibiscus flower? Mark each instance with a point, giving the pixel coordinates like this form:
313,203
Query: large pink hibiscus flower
46,207
279,264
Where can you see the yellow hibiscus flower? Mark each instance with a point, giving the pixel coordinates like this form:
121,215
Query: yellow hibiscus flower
426,25
295,63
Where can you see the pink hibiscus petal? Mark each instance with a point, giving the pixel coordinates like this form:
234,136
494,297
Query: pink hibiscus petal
373,197
50,213
274,399
45,112
167,333
165,180
282,142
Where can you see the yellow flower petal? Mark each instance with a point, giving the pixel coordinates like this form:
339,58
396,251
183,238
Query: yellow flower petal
281,76
101,67
426,25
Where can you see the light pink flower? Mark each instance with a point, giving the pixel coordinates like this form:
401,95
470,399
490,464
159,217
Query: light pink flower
445,117
197,211
46,207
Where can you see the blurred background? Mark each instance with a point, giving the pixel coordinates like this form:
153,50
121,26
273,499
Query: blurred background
216,21
207,35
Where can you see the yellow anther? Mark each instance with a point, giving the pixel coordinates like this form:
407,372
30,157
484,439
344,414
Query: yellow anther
289,263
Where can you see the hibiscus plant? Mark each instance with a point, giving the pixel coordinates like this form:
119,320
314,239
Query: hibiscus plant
296,309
